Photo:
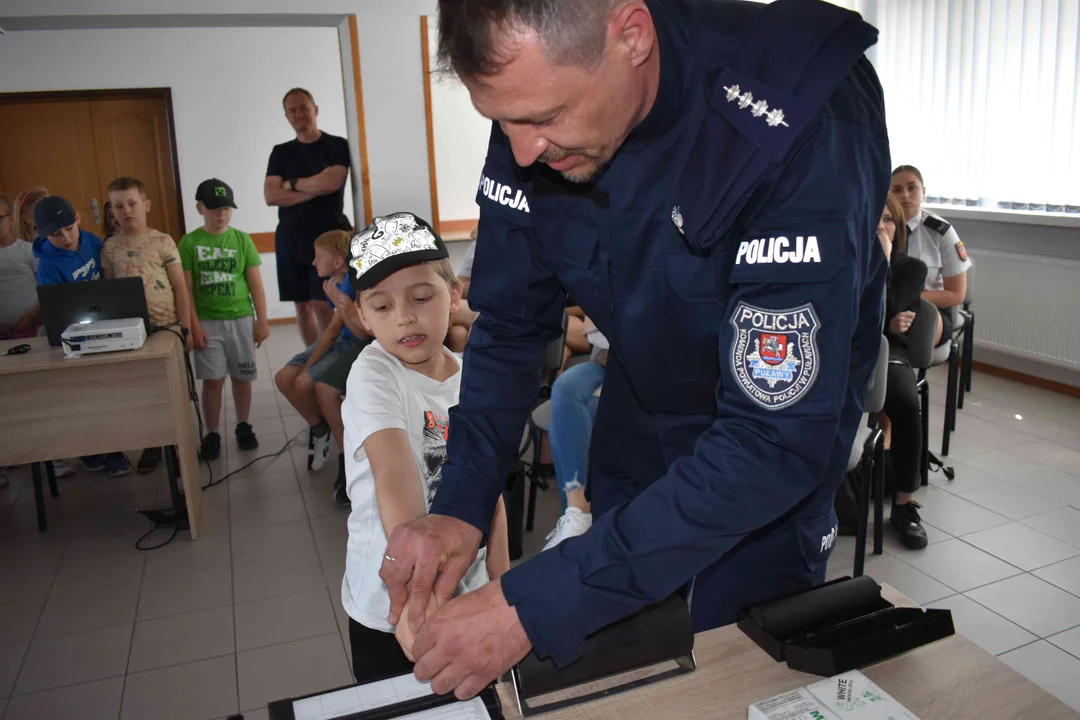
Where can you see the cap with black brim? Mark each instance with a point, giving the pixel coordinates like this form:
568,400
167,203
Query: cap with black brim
391,243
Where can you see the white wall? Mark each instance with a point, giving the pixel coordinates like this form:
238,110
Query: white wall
226,104
226,101
461,141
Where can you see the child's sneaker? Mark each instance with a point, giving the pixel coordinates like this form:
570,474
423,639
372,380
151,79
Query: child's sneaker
149,460
573,522
62,468
93,463
341,495
117,464
319,438
210,449
245,437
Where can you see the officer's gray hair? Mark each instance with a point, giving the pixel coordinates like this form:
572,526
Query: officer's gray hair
573,32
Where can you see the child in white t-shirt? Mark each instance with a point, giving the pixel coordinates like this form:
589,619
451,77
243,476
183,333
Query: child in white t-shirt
396,409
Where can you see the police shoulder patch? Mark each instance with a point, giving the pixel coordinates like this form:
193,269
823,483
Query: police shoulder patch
937,224
774,354
961,251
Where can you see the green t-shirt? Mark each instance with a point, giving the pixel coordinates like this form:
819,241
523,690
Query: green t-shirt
217,264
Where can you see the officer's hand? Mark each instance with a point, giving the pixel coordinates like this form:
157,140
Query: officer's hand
901,322
470,642
433,544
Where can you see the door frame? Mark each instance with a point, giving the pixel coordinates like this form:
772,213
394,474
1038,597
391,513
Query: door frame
159,93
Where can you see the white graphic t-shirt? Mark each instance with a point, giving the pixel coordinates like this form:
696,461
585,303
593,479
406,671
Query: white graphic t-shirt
381,394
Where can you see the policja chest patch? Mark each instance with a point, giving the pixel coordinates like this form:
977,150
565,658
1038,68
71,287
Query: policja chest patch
774,354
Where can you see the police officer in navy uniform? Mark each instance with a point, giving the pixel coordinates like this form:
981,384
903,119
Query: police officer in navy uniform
705,179
934,241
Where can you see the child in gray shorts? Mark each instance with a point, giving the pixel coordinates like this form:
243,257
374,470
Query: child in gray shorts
221,265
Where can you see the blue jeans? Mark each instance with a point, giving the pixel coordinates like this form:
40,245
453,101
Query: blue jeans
573,411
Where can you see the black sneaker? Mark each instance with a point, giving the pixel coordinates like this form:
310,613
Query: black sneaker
211,446
245,437
341,495
149,460
908,525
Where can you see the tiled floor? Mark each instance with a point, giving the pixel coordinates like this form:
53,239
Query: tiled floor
92,628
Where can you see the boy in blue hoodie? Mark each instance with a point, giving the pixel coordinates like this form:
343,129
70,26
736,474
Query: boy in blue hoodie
66,253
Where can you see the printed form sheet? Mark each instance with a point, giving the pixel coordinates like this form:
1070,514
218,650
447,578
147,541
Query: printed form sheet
343,703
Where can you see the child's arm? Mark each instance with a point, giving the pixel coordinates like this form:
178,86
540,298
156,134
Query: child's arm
180,295
399,490
399,493
198,337
326,341
346,308
498,548
258,299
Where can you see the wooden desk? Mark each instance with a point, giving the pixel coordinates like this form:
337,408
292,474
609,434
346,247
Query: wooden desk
55,407
951,679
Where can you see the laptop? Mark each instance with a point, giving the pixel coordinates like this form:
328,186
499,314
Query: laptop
67,303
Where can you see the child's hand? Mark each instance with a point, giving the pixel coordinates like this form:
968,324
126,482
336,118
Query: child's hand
335,296
405,636
262,331
197,338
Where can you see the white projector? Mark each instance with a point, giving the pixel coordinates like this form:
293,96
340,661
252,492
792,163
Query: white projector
103,336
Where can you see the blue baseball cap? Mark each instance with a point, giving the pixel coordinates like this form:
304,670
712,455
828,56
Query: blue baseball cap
53,213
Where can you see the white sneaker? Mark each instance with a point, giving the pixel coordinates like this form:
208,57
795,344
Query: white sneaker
320,451
62,468
573,522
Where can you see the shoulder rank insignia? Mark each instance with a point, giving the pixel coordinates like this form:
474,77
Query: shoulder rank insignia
936,224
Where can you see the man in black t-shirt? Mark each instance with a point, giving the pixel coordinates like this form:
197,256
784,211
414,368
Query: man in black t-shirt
305,180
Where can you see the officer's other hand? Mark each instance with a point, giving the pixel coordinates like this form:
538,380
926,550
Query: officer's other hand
434,545
470,642
901,322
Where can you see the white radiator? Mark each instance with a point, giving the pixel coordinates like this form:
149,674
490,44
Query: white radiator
1027,305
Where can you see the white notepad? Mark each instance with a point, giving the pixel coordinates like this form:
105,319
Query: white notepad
342,703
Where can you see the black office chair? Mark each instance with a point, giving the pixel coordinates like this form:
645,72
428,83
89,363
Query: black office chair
923,355
540,420
514,492
964,322
868,450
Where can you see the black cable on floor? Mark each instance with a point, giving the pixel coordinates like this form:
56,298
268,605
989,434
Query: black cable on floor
162,520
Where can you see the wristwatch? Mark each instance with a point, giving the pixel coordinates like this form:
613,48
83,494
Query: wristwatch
292,184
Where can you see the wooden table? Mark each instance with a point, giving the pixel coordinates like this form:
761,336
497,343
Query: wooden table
56,407
950,679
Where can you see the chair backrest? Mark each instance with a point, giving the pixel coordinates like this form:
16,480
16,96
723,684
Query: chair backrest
553,353
875,393
920,336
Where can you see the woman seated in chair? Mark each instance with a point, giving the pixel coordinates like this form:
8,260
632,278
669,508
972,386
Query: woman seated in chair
574,397
934,241
901,419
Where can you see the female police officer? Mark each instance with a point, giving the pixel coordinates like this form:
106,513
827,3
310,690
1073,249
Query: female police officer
934,241
702,176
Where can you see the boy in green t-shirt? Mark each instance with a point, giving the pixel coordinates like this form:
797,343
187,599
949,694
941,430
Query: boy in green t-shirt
221,265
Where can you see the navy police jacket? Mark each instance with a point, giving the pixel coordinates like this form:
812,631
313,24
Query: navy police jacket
728,253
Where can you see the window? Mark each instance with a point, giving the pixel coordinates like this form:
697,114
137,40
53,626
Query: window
982,96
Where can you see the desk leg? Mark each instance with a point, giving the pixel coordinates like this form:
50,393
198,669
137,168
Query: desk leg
51,472
39,496
186,442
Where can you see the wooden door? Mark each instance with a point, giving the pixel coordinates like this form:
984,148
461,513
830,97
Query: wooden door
131,137
51,144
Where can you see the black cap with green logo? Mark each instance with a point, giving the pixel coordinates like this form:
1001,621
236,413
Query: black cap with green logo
214,194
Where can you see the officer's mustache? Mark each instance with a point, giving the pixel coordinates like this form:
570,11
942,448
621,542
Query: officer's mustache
555,154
